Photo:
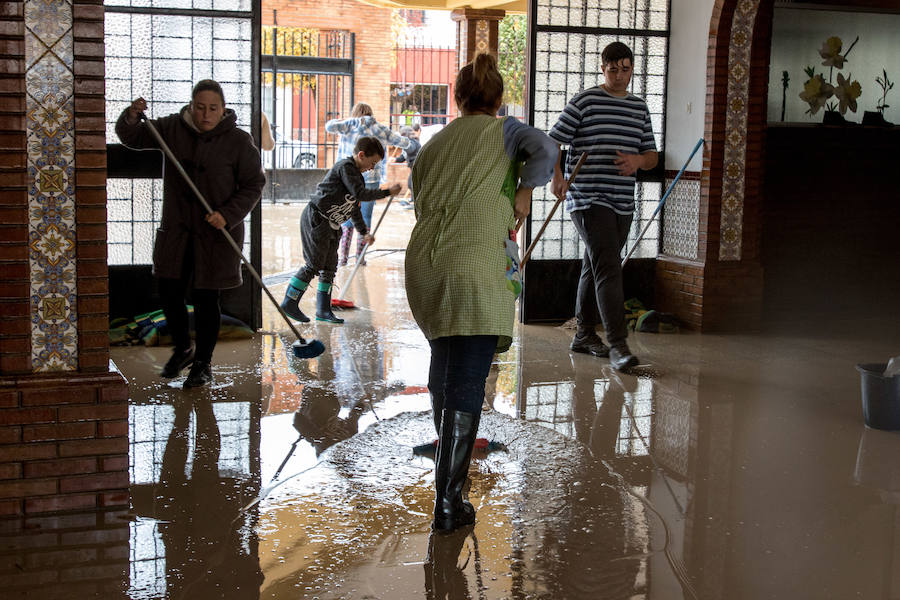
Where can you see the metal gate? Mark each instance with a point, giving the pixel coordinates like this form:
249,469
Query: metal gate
307,79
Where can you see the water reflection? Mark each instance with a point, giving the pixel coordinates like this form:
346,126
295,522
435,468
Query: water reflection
209,544
595,543
445,564
874,473
558,512
335,397
195,466
724,460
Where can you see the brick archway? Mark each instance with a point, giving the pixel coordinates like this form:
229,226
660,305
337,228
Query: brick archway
722,288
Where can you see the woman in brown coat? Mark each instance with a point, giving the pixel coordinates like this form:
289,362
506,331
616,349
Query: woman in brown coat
224,164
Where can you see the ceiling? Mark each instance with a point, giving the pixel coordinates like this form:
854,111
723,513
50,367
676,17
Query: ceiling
518,6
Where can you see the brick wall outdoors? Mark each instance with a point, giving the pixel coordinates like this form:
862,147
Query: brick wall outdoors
372,27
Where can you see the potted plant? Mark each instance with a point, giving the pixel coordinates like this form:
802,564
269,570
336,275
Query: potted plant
876,117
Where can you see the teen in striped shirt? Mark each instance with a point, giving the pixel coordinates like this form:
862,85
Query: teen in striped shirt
613,127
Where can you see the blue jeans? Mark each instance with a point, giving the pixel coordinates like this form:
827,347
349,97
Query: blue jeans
459,367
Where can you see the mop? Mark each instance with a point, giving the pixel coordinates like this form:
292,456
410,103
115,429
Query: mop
662,201
301,348
340,302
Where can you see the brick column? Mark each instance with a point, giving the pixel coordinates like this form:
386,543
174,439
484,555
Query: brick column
477,31
722,289
15,330
63,408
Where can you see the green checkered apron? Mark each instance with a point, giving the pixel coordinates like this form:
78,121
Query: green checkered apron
456,259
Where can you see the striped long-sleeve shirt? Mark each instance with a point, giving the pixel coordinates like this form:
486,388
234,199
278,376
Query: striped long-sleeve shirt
601,124
355,128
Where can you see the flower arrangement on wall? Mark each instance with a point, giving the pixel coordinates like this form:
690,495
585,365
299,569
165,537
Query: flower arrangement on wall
817,92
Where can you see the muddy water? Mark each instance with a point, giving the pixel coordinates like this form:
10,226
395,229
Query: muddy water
348,515
552,522
726,467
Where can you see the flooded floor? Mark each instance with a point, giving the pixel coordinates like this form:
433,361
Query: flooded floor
727,467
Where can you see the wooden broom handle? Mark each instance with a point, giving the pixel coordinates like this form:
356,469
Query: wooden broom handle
540,232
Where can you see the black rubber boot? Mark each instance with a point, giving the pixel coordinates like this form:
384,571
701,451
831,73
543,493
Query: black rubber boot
323,307
451,470
291,306
181,357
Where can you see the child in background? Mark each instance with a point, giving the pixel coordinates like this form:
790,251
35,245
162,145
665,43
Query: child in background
362,123
408,156
336,199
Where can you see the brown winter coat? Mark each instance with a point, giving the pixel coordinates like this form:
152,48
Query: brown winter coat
225,166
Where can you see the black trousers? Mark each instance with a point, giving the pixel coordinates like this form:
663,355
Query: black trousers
207,316
600,294
320,247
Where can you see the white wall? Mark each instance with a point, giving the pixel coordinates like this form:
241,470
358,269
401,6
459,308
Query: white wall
797,36
686,101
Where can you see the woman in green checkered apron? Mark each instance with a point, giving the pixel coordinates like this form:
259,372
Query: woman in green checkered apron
473,180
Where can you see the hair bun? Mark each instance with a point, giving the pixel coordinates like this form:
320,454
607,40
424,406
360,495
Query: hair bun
483,64
479,85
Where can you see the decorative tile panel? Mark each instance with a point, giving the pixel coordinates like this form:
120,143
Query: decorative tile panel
50,129
736,129
482,32
680,218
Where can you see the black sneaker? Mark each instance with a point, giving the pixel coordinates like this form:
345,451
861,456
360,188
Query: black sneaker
589,344
179,360
621,358
200,375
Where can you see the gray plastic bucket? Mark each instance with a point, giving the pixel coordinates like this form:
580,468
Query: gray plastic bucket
880,397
